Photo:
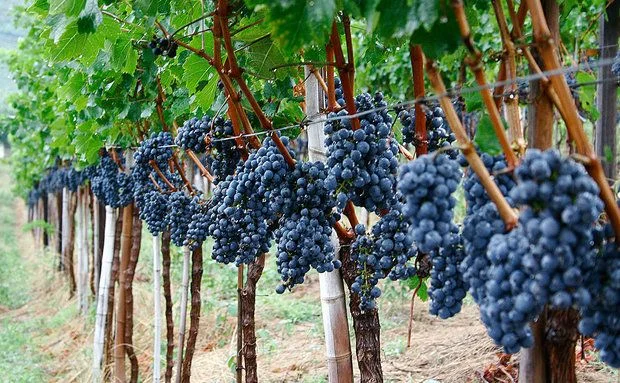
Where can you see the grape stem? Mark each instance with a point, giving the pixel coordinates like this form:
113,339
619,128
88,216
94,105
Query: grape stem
319,78
509,216
205,173
542,36
417,69
161,175
346,23
408,155
510,69
179,168
331,84
343,72
410,326
161,98
156,184
475,64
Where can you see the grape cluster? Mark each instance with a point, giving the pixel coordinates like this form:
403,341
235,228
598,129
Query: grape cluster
111,186
559,206
181,208
224,156
198,228
339,92
385,252
438,132
163,47
157,148
447,288
241,219
154,211
599,316
427,184
305,225
362,163
509,304
482,221
191,136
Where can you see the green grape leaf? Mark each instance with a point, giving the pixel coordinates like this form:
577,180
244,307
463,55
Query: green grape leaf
443,37
90,17
204,98
297,23
485,137
587,94
68,7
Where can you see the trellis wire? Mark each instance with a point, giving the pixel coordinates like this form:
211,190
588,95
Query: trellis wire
315,119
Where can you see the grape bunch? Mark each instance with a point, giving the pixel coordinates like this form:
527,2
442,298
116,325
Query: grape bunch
198,228
362,163
339,92
163,47
509,303
225,156
241,219
111,186
385,252
191,136
305,225
559,206
447,288
599,316
482,221
427,184
438,132
154,211
181,208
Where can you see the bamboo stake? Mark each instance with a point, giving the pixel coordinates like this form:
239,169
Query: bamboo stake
156,308
104,284
333,302
183,312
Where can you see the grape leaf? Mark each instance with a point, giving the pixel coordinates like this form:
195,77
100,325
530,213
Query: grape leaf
485,137
68,7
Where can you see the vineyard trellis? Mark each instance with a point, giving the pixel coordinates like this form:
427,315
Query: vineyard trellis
98,117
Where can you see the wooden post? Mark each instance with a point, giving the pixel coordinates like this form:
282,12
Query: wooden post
183,312
82,245
333,303
156,308
605,134
104,285
66,199
119,344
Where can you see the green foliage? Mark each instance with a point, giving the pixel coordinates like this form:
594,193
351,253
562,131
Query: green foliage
485,138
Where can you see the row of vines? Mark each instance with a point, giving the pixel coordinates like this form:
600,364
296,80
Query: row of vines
242,124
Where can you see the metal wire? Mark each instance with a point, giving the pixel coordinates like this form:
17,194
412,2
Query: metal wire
320,118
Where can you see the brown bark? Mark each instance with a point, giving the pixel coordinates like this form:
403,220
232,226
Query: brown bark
248,297
165,252
366,326
540,112
131,269
561,339
606,99
417,70
119,342
194,315
46,240
68,256
109,339
58,198
91,243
